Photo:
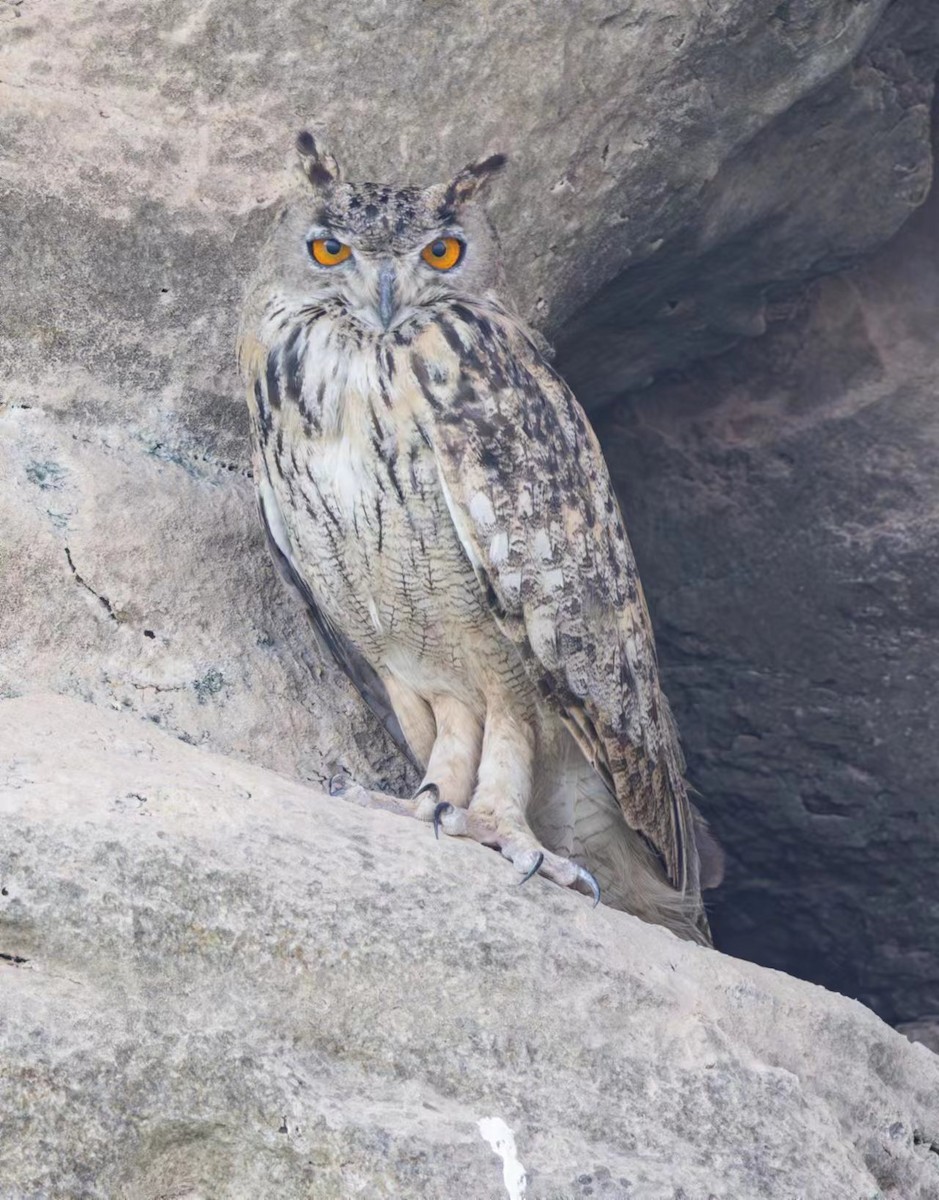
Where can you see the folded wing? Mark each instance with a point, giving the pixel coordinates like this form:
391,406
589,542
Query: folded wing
534,508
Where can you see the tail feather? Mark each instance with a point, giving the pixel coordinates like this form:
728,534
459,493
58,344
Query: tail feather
576,814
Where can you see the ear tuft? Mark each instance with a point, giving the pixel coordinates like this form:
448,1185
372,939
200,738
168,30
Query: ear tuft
318,168
473,179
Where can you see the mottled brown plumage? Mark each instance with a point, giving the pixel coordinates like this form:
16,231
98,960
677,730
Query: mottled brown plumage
437,495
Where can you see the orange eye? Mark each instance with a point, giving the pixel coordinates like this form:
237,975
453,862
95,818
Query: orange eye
329,252
444,253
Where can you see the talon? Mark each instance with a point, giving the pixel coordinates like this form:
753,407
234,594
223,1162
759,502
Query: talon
585,877
535,869
438,811
425,800
338,784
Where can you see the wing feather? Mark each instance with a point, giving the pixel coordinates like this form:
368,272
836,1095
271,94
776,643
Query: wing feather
534,508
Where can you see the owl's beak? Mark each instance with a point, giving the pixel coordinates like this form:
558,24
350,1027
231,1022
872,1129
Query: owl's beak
387,308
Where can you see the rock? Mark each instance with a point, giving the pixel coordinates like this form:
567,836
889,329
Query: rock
784,506
142,143
137,578
810,192
219,983
925,1031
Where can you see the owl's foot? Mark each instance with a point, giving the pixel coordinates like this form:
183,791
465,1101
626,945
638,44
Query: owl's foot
426,802
348,789
519,847
516,844
422,804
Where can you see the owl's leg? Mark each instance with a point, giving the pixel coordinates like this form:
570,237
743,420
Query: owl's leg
414,714
446,734
454,759
497,812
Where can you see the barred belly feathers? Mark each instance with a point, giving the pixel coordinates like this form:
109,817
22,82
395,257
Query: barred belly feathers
435,493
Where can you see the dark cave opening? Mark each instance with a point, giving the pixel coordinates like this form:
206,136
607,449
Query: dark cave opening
782,500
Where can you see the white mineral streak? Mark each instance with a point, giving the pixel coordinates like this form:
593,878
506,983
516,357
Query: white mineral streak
502,1140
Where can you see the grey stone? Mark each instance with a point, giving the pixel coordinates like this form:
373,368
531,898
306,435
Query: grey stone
784,506
925,1030
810,192
136,578
141,144
218,984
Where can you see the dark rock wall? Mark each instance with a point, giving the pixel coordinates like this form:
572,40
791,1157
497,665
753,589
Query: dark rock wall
806,193
783,502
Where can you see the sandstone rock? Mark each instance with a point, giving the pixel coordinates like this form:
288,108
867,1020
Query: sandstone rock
810,192
137,578
784,507
216,983
139,139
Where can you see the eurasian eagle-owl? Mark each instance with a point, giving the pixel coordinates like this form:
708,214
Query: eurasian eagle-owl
436,494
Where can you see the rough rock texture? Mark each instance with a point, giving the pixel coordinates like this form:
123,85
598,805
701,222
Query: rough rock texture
215,983
136,578
784,506
813,189
925,1031
142,128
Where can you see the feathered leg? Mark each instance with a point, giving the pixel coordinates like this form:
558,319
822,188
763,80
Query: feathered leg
444,733
497,814
454,759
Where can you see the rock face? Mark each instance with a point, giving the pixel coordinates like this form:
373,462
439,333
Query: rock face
136,577
784,506
142,137
814,187
216,983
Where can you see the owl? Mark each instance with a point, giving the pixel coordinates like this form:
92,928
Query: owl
435,493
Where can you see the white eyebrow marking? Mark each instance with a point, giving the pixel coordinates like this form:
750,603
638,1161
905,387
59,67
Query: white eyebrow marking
502,1140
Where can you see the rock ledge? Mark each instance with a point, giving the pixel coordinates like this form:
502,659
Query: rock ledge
219,983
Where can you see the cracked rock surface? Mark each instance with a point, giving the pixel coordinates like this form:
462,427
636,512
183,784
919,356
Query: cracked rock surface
218,983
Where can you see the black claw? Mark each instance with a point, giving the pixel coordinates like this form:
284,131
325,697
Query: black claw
438,813
427,787
585,877
534,871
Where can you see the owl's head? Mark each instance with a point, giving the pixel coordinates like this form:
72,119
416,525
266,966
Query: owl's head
385,254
